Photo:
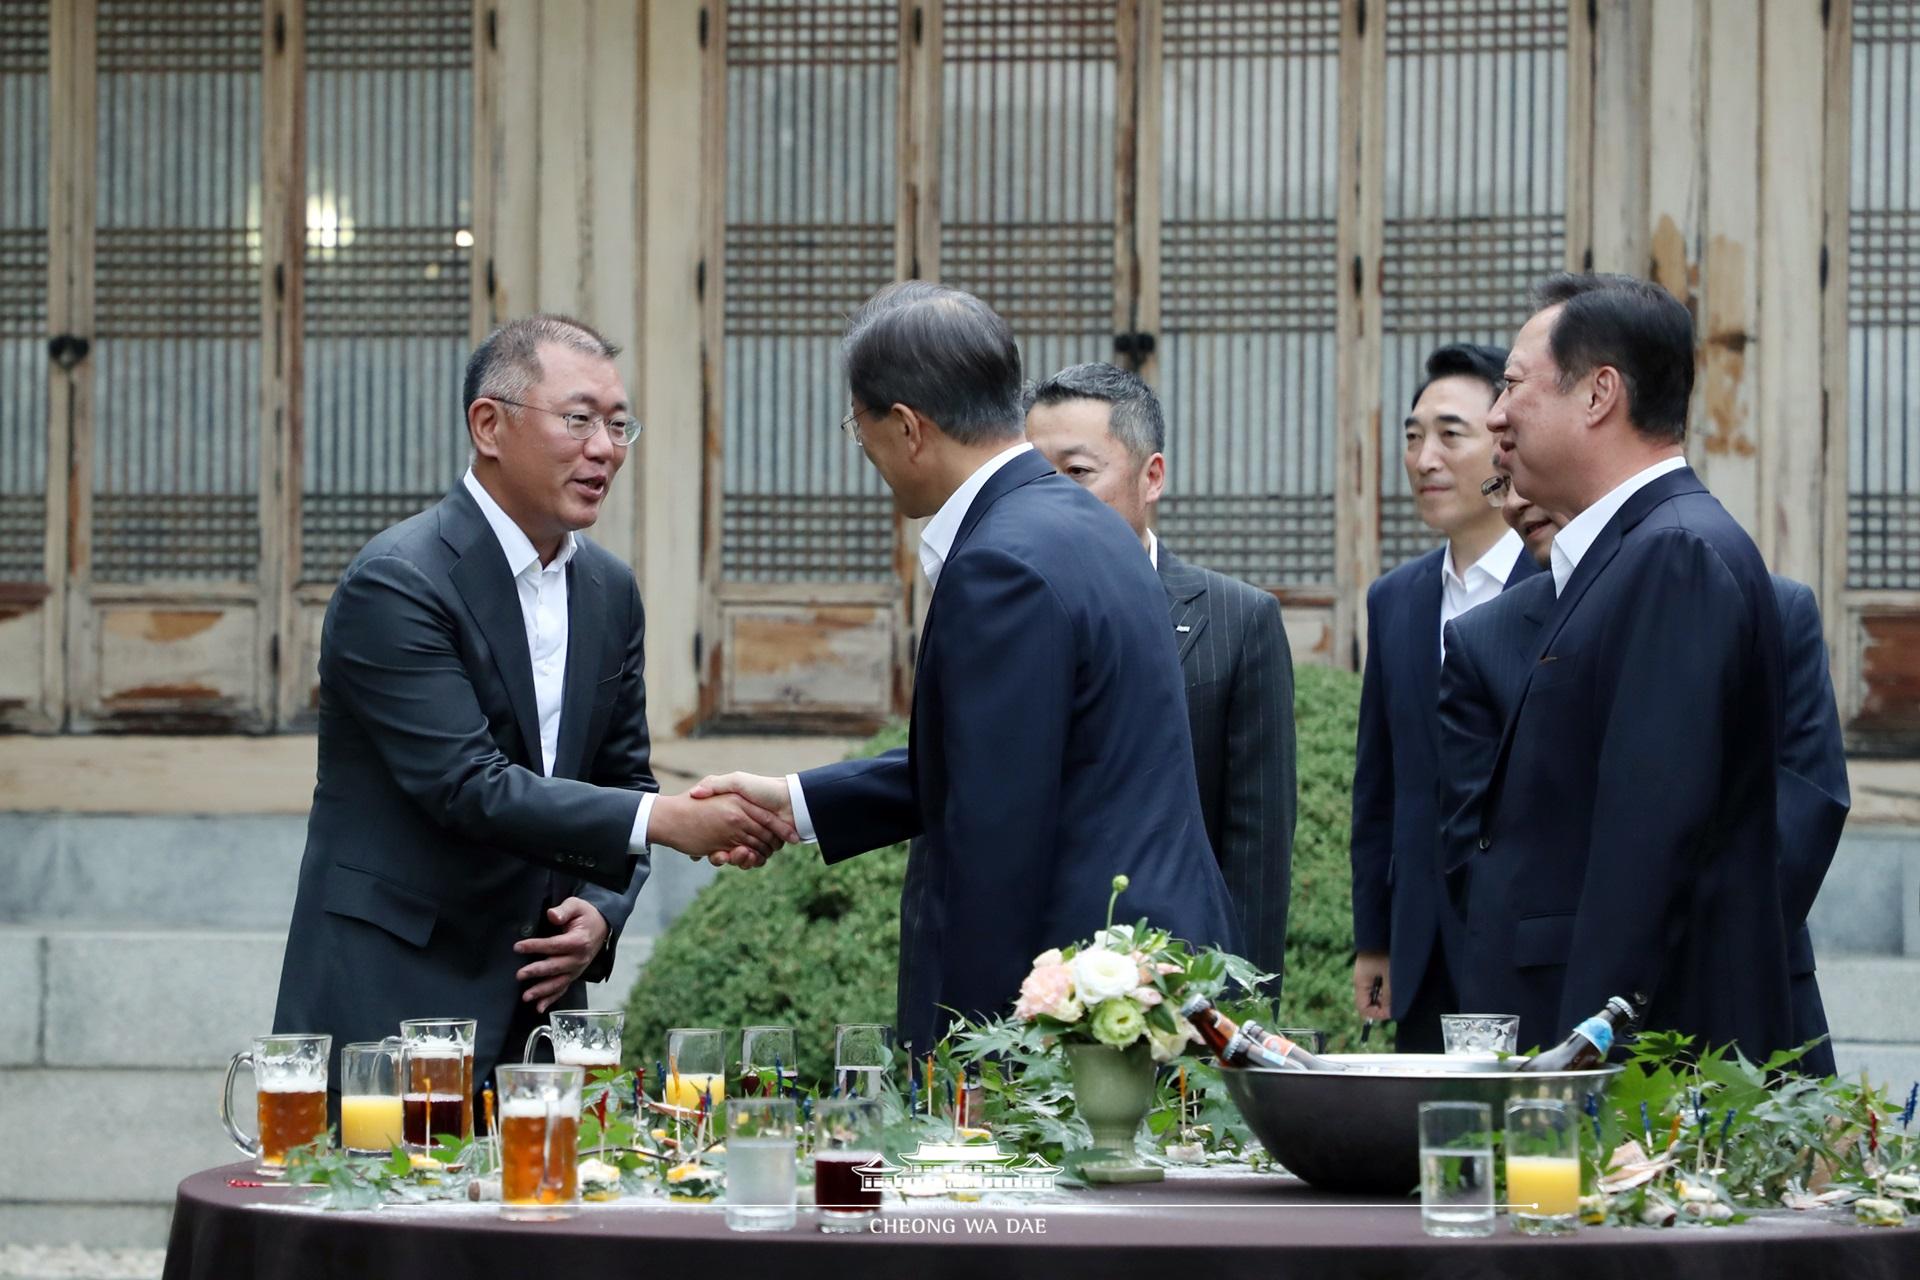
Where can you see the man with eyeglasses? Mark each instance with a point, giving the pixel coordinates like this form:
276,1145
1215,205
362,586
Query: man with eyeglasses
484,805
1399,969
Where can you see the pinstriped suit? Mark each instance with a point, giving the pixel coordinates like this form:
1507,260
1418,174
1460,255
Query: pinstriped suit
1238,672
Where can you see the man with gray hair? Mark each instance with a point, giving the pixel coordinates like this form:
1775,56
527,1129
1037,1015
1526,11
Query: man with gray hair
1101,427
1047,752
484,805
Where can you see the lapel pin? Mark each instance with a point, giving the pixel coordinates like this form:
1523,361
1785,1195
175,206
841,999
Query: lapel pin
1183,627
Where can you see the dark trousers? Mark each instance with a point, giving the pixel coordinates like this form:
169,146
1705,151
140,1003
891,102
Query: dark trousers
1419,1030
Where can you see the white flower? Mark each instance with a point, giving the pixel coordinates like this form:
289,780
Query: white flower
1099,974
1167,1046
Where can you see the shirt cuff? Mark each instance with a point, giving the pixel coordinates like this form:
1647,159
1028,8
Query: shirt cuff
802,820
637,842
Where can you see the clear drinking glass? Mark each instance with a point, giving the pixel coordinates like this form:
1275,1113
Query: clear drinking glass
438,1097
846,1138
290,1088
862,1056
539,1140
1543,1167
1456,1169
767,1049
370,1114
584,1038
1479,1033
761,1149
696,1065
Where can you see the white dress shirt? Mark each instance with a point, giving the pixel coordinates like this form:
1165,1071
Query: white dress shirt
543,608
1153,551
1484,579
1572,542
936,544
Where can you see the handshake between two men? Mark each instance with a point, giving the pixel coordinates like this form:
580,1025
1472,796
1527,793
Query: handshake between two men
742,818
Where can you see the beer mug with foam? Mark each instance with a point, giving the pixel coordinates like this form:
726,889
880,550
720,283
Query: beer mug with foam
584,1038
290,1084
539,1140
437,1092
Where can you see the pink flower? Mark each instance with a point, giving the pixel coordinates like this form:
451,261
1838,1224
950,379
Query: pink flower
1145,997
1049,990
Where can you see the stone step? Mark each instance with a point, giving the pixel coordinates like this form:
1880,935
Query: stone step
1870,901
235,872
1870,999
1893,1067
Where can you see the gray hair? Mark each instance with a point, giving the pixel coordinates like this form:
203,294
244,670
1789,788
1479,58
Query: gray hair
940,351
506,365
1135,421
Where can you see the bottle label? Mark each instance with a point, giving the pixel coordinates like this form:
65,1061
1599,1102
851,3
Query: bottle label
1599,1031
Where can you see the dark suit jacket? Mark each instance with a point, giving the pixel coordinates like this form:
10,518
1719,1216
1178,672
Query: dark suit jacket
1488,655
1047,752
1239,678
434,842
1395,845
1629,842
1813,801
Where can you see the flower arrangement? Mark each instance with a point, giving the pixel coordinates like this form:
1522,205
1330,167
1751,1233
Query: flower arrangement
1123,985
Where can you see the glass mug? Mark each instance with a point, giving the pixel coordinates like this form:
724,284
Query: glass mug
539,1140
584,1038
438,1062
290,1084
370,1110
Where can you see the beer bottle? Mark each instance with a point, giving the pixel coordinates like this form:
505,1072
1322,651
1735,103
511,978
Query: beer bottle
1266,1049
1587,1047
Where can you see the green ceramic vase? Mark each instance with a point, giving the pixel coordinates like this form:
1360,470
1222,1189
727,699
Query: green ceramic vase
1113,1089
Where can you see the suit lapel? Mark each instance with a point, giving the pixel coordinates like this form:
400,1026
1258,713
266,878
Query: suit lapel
586,604
1551,614
1422,633
1186,600
481,578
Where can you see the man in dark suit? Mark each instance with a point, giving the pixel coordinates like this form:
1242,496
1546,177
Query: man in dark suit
1048,748
483,809
1101,427
1489,653
1629,842
1398,966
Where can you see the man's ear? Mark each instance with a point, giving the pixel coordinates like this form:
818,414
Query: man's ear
1154,475
1608,391
917,427
484,420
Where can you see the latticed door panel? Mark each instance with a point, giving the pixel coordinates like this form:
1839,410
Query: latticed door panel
1475,198
169,619
25,134
810,616
175,447
1883,375
1027,211
1248,190
388,259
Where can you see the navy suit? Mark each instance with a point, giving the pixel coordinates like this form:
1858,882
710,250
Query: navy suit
1397,891
1048,751
1629,841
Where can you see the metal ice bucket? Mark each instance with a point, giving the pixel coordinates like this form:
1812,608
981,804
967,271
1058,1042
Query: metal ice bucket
1358,1129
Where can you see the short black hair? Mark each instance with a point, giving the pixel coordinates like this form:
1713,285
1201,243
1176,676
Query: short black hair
1465,360
506,364
938,350
1637,327
1135,420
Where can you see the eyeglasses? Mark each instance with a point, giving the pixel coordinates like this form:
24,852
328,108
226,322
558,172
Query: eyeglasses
850,425
621,428
1494,489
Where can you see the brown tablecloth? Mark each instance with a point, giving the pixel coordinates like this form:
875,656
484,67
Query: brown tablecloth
1190,1226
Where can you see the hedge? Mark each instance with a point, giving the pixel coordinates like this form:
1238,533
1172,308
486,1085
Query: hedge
807,945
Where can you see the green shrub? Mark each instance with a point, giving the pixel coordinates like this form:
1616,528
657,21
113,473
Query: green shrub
808,945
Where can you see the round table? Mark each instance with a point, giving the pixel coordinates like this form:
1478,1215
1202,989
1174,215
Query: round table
1194,1224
